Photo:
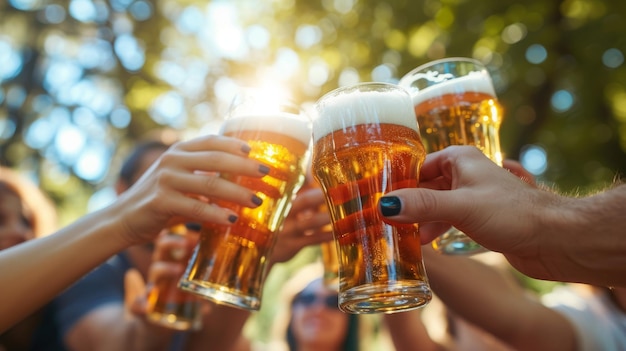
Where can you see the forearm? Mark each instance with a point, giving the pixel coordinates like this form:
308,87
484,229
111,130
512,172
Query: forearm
475,291
408,332
585,240
112,328
42,268
492,300
142,336
222,329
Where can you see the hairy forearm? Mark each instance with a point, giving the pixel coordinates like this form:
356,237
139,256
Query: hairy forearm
586,241
42,268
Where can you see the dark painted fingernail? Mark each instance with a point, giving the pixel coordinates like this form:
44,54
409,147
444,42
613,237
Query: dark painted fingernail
257,200
232,218
246,149
390,206
264,169
193,226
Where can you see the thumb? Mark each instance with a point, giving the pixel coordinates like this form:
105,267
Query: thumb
416,205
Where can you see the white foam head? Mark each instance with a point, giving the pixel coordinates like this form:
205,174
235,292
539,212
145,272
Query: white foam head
348,107
295,126
477,82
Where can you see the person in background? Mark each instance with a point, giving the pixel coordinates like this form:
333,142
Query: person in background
26,214
105,309
310,319
224,326
541,233
42,268
92,312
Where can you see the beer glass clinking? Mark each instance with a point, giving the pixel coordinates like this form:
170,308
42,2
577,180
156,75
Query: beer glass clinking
455,104
229,264
366,144
169,306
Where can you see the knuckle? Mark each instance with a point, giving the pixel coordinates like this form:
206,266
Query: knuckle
211,182
198,209
424,203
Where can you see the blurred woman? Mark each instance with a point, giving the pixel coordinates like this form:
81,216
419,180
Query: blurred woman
26,213
317,323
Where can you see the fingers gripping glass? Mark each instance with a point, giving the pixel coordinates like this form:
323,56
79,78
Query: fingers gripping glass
308,300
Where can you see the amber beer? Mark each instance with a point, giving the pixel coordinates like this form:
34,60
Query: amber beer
366,143
462,111
169,306
229,264
455,104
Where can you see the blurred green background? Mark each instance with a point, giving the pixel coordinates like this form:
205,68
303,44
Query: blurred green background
82,80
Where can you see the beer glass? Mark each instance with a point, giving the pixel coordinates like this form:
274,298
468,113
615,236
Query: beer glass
367,143
229,263
169,306
455,104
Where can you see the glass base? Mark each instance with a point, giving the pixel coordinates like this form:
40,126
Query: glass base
221,295
174,321
385,298
455,242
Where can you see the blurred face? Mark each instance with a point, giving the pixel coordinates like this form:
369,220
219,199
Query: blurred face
316,319
15,226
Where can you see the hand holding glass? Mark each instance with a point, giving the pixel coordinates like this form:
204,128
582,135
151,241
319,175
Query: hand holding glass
169,306
230,261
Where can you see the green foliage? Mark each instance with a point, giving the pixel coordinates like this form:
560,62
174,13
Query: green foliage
558,67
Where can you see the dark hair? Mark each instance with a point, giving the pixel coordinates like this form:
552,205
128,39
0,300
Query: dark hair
350,343
130,167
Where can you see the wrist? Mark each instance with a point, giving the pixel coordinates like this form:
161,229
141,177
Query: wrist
111,224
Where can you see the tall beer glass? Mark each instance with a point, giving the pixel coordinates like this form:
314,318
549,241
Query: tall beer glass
455,104
169,306
230,261
366,143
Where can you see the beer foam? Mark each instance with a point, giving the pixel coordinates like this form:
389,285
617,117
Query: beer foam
478,82
345,109
297,127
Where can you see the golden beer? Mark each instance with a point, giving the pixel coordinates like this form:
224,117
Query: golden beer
462,112
229,264
169,306
366,144
455,104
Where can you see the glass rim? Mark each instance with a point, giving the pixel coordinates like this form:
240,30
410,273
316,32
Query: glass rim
357,86
253,95
440,61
